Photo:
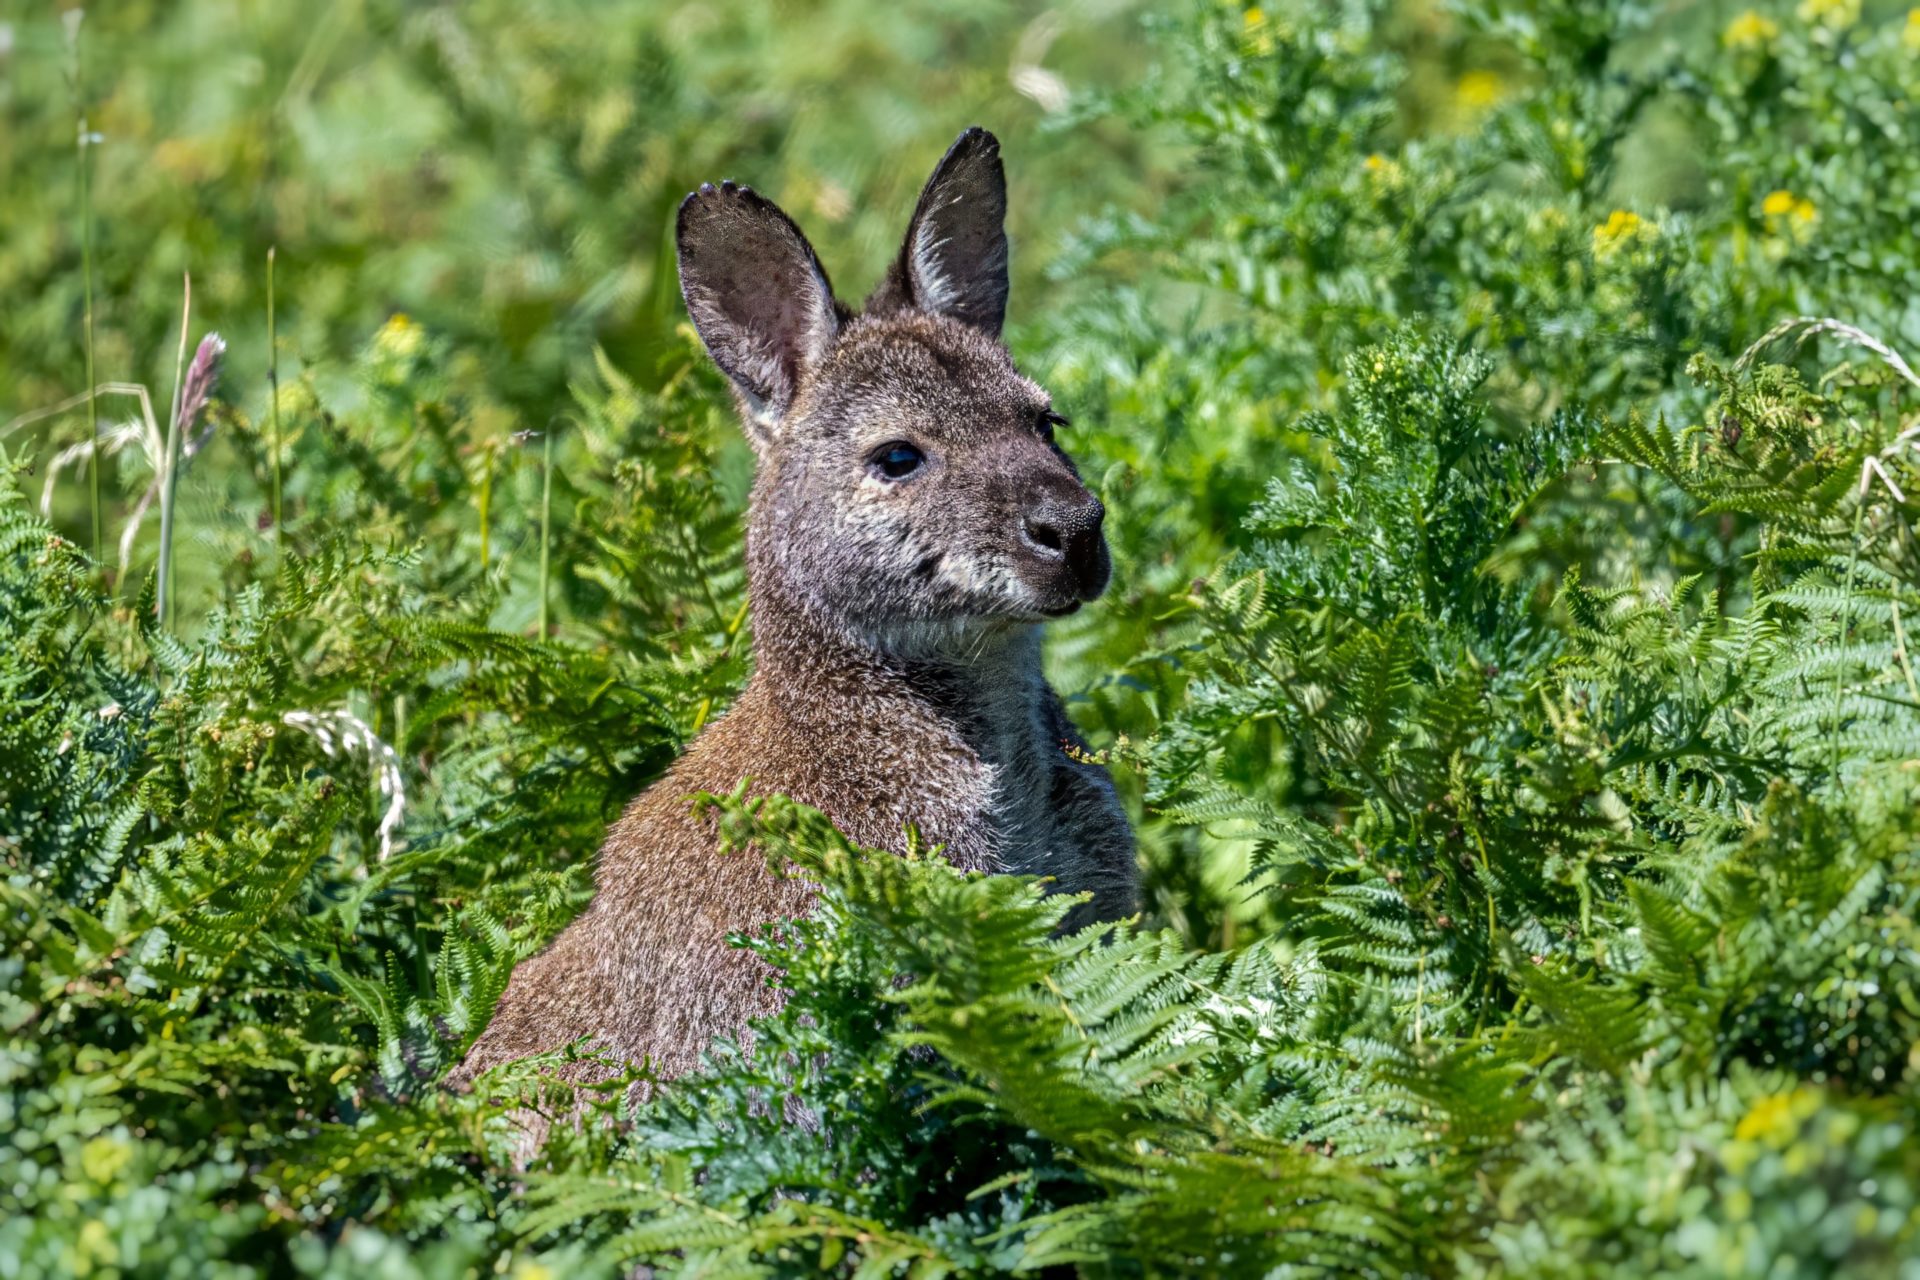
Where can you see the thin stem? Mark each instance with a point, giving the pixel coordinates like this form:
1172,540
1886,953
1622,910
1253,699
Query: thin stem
734,631
163,605
691,546
486,505
84,143
546,519
273,404
1840,640
104,389
1900,648
1420,1002
95,461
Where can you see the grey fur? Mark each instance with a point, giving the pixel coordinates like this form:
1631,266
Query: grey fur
896,623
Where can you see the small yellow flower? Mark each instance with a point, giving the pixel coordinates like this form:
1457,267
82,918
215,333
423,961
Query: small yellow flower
1910,34
1798,212
1478,90
1381,169
1770,1117
399,337
1259,36
1621,230
1834,15
1750,31
1776,1119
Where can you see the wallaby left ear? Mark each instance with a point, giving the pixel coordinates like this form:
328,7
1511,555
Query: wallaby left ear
954,260
758,296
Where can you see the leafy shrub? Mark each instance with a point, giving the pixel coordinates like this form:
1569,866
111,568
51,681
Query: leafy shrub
1510,667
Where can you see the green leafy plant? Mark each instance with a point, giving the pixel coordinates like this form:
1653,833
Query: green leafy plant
1509,429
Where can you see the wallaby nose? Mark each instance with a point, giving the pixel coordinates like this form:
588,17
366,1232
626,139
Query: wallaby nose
1069,531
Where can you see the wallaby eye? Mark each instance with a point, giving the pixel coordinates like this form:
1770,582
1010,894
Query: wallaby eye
897,461
1048,420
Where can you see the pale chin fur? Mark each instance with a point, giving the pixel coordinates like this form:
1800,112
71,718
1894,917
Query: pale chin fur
956,639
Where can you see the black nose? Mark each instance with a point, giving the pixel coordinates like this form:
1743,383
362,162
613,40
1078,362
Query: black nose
1069,531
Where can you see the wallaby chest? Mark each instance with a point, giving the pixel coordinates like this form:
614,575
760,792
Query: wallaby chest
1001,710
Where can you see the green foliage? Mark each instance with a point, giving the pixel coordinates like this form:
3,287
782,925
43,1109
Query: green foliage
1510,669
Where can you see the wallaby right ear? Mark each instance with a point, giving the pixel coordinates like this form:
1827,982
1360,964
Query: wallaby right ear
954,261
758,296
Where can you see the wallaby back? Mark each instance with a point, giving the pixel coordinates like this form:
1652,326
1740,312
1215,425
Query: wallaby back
911,525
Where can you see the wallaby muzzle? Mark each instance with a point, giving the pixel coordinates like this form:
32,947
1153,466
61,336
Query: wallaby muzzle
1061,532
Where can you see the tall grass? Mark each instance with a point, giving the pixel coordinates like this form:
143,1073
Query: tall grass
170,461
484,500
193,386
83,142
546,518
273,402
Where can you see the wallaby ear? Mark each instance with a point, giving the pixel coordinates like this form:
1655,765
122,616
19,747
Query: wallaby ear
954,260
758,296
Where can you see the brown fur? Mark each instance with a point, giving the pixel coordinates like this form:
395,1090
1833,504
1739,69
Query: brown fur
896,623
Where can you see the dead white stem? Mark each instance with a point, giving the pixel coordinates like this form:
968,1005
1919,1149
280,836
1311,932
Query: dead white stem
342,731
1809,326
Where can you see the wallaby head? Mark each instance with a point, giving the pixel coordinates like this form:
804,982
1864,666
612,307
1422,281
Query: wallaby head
910,491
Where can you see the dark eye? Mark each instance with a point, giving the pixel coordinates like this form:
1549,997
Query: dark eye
897,461
1048,421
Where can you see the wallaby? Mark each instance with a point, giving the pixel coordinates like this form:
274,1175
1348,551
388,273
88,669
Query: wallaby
912,523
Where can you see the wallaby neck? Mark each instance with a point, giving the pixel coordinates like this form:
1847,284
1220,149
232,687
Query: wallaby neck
978,686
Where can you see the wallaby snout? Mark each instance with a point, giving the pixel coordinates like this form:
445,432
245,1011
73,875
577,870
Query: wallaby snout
1061,535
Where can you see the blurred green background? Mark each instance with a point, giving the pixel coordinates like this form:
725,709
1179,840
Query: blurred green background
1540,657
504,173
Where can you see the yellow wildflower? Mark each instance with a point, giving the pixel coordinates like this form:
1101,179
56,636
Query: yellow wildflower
1835,15
399,337
1798,210
1776,1118
1477,90
1770,1117
1750,31
1259,36
1621,229
1910,34
1380,168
